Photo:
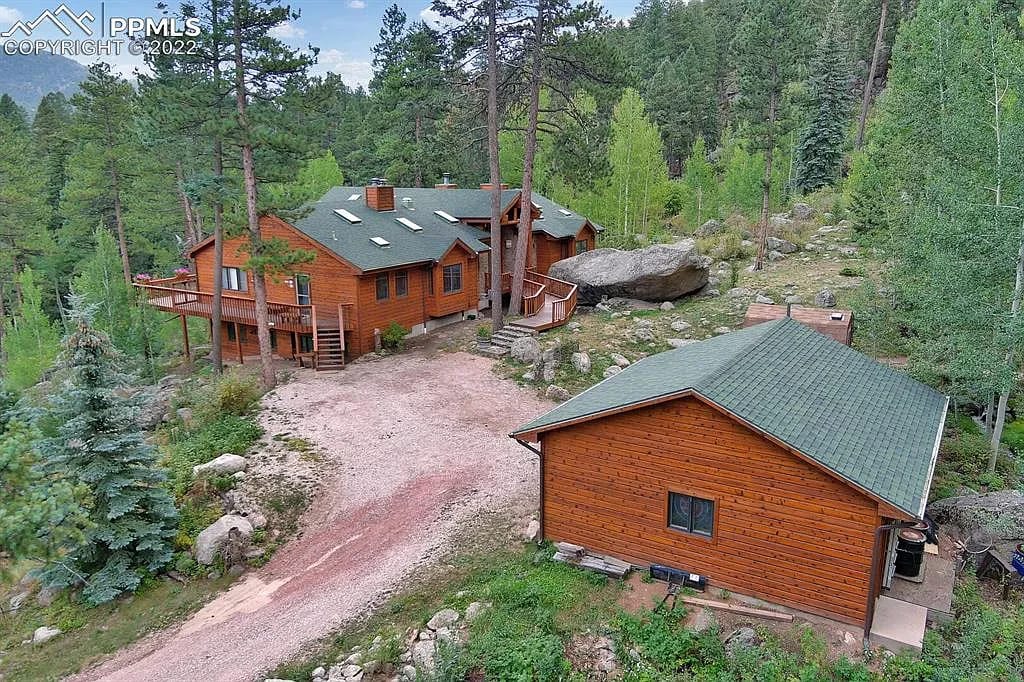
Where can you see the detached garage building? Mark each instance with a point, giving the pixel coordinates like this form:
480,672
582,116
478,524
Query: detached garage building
765,459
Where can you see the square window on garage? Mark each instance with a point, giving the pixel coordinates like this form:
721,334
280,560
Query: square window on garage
691,514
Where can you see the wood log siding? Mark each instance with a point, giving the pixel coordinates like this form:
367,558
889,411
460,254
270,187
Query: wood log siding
785,530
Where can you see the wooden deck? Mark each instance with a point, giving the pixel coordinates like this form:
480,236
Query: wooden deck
547,302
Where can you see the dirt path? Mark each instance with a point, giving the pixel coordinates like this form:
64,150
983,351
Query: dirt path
416,445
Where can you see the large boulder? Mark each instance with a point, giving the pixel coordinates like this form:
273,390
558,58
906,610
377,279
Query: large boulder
525,349
782,245
662,272
213,538
999,515
801,211
224,465
709,228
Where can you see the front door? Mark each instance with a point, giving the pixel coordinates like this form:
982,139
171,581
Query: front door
302,292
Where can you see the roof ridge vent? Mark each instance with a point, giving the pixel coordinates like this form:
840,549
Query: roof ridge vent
409,224
348,215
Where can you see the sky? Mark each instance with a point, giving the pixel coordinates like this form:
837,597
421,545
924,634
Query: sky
344,30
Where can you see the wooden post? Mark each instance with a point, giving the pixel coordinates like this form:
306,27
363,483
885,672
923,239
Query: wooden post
238,342
184,335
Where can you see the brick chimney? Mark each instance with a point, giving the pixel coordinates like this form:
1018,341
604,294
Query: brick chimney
489,186
446,183
380,196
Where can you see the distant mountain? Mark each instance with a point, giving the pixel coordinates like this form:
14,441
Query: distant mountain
27,78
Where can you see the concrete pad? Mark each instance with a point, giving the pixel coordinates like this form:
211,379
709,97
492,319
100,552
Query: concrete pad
898,625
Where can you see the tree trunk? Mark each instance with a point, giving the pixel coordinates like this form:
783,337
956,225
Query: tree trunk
990,413
525,231
869,85
1004,397
259,280
497,321
418,180
766,184
216,314
192,236
122,239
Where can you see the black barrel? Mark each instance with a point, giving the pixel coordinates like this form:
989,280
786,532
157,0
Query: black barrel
910,552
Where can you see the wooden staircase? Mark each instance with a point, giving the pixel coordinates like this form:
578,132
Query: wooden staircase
330,351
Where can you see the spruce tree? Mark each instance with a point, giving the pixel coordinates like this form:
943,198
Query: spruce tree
97,441
50,129
819,152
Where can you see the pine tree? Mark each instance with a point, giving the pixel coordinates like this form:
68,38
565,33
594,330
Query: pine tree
50,129
102,160
30,339
39,513
768,47
701,185
13,114
97,441
820,150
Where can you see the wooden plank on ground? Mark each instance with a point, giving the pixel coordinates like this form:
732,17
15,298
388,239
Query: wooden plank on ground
735,608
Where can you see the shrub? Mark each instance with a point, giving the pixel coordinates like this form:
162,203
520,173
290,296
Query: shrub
483,332
232,394
229,433
393,336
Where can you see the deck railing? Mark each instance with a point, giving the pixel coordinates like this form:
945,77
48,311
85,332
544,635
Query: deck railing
179,298
563,296
533,297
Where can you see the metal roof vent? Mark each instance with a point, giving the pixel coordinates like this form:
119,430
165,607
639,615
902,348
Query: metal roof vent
407,203
348,215
409,224
381,242
379,182
836,316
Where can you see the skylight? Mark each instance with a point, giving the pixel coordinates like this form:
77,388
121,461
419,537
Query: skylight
354,197
381,242
444,215
564,211
348,215
410,224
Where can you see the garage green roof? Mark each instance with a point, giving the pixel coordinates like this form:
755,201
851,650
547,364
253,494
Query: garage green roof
867,423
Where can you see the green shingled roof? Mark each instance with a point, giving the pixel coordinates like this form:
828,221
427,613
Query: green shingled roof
866,422
554,221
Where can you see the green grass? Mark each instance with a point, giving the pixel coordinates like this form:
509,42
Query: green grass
227,433
93,633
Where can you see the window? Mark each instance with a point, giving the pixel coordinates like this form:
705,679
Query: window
401,284
691,514
231,331
305,343
303,296
430,281
452,278
234,279
581,246
236,331
382,287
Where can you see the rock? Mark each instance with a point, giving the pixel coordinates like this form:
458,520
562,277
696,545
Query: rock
619,360
17,599
709,293
679,343
776,255
848,250
443,618
794,299
548,374
184,415
681,326
46,595
738,292
525,350
423,656
351,670
849,638
355,658
276,679
574,326
661,272
779,222
667,305
532,532
722,330
999,514
825,299
581,362
215,536
44,634
741,638
709,228
702,620
319,672
409,672
643,334
557,393
154,405
801,211
611,371
225,464
761,298
474,610
776,244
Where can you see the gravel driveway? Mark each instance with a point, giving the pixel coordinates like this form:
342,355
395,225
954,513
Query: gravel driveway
416,445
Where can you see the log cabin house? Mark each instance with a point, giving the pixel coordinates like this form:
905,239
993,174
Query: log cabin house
772,460
418,257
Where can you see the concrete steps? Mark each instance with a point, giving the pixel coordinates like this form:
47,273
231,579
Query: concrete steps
503,339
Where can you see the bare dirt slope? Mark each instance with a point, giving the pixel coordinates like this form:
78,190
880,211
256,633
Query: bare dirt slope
416,446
